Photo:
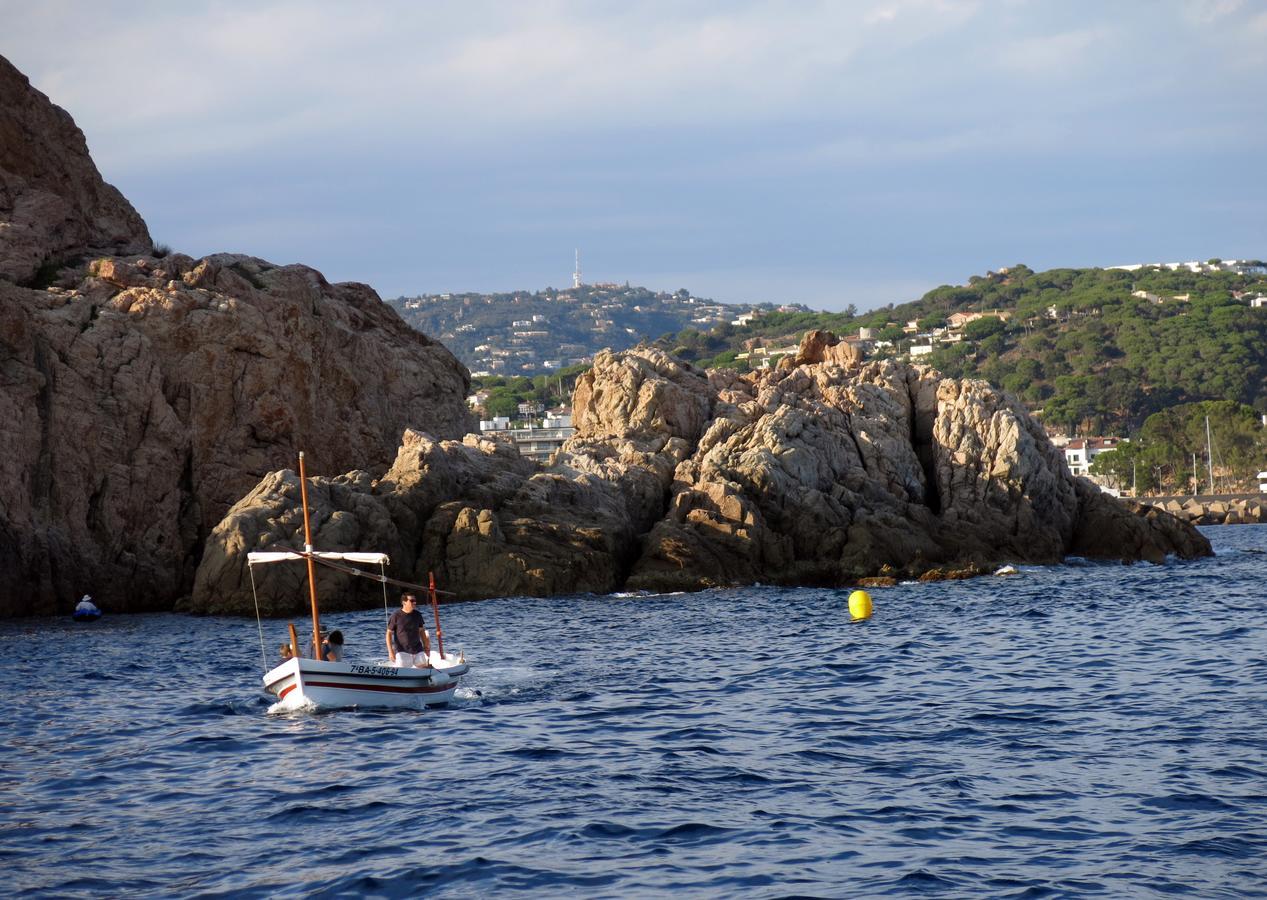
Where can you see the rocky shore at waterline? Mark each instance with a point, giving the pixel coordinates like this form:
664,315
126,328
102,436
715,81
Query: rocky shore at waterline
827,470
1214,510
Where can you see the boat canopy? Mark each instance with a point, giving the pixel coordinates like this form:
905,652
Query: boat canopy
256,558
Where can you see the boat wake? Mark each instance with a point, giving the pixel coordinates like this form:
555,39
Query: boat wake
466,696
289,706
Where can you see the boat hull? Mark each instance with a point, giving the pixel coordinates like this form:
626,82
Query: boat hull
305,683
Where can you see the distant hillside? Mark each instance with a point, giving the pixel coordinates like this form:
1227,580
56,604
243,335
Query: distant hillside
1095,350
523,333
1151,353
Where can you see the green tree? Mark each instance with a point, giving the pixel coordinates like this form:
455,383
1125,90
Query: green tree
978,329
502,404
1119,467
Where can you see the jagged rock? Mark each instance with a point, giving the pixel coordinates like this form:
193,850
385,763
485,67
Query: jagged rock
647,393
1115,529
954,574
486,521
819,473
189,395
825,347
54,204
345,515
504,528
145,394
815,474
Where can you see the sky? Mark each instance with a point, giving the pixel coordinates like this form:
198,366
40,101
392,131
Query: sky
822,153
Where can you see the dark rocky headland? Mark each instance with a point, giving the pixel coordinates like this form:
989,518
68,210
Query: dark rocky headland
152,406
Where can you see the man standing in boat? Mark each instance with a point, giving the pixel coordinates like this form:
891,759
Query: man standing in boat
407,641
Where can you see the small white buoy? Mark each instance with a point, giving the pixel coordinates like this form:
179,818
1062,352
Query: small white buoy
1008,570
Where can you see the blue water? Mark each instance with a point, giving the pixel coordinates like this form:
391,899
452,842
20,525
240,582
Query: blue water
1069,731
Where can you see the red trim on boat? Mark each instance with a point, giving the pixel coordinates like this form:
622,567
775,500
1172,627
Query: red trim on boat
286,690
390,689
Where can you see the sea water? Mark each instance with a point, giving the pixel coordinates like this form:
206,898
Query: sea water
1066,731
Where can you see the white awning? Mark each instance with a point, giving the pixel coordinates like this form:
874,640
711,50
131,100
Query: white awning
259,557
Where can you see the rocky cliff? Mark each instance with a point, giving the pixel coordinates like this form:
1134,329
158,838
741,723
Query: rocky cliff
53,202
827,470
142,395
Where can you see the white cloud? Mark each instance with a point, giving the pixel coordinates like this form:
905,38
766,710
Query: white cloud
1208,11
881,14
230,77
1054,53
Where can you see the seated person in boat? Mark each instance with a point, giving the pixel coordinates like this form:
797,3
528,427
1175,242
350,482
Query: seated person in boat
286,650
407,641
332,648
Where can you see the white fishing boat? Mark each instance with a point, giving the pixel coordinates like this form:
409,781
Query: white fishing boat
300,682
306,680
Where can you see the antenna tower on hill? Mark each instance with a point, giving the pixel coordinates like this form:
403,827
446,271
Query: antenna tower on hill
576,276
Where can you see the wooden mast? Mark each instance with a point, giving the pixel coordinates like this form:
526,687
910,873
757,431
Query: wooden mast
312,576
435,611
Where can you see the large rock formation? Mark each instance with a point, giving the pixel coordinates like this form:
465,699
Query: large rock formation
144,400
487,521
826,470
142,396
53,203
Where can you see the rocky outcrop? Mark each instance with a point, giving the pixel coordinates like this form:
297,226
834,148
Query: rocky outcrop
823,346
144,397
145,392
488,523
1125,530
826,473
54,204
830,471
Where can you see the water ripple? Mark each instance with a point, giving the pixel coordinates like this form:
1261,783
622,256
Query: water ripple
1081,730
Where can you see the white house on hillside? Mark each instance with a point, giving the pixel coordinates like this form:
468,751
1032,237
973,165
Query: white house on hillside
960,319
1080,452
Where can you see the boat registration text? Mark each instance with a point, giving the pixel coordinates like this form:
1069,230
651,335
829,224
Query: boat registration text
372,670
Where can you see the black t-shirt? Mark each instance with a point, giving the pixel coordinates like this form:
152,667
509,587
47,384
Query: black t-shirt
404,627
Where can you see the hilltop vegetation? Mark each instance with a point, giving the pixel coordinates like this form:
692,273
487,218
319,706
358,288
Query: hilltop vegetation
1090,350
524,333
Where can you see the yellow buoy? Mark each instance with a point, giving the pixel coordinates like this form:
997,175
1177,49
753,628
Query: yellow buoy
860,605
